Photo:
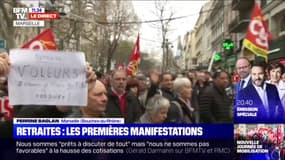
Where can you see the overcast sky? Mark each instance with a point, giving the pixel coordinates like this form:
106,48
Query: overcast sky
150,39
150,36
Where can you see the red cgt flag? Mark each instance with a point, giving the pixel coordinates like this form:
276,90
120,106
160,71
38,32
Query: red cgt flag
132,68
257,36
43,41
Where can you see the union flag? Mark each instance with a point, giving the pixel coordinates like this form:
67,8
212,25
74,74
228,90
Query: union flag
133,66
43,41
257,36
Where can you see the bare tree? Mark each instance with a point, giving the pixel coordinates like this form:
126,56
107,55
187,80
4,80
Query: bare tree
15,36
68,29
7,30
114,16
165,15
94,27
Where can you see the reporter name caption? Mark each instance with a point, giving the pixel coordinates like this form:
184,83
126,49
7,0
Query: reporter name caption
112,128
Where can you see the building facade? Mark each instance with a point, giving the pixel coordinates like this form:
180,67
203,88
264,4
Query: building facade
274,13
230,20
196,43
209,33
189,50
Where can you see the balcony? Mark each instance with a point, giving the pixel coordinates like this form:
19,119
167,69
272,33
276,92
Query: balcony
242,4
277,48
239,24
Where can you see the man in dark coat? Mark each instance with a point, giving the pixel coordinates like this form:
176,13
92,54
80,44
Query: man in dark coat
121,103
166,86
162,85
198,88
215,105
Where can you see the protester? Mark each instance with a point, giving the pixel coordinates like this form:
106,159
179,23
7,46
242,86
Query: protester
154,85
35,111
166,85
215,105
209,78
122,103
156,110
4,64
3,86
161,84
6,129
198,88
143,89
133,87
192,75
107,80
43,111
181,110
97,100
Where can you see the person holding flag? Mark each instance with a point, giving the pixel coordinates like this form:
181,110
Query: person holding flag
44,41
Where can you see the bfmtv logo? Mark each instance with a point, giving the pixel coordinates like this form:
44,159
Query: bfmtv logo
21,13
42,45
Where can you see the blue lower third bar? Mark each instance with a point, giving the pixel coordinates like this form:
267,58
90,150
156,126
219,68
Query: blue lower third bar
193,131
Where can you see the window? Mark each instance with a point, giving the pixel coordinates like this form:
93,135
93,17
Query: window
194,61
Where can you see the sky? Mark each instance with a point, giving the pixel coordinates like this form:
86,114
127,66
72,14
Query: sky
150,38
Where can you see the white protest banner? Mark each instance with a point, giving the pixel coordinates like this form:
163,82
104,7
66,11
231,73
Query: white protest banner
40,77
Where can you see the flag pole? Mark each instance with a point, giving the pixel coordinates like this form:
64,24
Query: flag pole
242,51
211,62
140,59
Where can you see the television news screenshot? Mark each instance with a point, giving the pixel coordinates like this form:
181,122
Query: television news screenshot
135,79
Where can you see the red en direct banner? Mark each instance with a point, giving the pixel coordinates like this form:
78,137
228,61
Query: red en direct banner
44,16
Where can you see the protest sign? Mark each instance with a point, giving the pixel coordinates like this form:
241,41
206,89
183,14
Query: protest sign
47,78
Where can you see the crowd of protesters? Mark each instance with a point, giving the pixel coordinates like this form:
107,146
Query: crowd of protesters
194,96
